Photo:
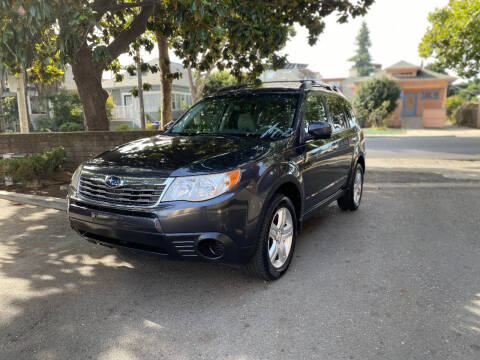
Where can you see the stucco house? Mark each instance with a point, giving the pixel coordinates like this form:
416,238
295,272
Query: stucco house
127,107
422,102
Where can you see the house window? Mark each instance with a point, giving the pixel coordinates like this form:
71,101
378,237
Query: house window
127,100
181,101
151,102
430,94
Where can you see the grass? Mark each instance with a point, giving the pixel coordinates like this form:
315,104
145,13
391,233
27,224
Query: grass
382,131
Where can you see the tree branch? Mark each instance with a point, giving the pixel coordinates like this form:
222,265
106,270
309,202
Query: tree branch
126,37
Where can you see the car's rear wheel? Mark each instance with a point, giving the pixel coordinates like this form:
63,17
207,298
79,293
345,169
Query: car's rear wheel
277,240
353,196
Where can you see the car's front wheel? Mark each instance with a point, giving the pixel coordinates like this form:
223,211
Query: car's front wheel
277,240
353,196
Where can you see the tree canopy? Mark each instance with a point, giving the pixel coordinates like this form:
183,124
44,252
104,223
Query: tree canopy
218,80
453,37
90,35
362,59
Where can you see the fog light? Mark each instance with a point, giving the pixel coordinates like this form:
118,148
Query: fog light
211,248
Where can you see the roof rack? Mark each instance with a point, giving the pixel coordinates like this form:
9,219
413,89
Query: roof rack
305,84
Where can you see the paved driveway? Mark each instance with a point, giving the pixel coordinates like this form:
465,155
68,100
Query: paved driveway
398,279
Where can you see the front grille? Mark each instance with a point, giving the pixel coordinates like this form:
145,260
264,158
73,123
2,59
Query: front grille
138,192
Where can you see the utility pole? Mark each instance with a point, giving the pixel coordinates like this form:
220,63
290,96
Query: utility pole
140,91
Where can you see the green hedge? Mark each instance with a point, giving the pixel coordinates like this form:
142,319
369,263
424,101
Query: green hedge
33,167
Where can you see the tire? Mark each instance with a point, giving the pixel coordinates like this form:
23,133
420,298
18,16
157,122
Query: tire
261,264
351,200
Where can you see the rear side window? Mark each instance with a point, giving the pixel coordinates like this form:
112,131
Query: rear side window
314,110
351,119
335,107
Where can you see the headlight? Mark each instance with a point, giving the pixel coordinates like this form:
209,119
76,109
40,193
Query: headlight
76,177
200,188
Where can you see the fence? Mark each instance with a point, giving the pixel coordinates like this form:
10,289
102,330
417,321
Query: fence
468,115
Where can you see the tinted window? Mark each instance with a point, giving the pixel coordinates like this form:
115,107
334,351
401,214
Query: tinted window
351,119
335,107
314,110
262,115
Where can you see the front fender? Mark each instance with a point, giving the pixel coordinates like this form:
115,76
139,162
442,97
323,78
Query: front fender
276,176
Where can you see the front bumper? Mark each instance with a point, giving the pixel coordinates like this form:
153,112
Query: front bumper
175,230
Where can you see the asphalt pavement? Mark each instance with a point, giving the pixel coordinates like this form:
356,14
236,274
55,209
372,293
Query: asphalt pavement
398,279
441,147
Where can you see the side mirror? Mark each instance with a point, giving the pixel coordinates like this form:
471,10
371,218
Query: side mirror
320,130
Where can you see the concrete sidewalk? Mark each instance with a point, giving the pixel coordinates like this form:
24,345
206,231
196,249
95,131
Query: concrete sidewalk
42,201
456,132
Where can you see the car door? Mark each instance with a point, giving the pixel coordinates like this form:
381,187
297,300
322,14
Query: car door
317,172
342,149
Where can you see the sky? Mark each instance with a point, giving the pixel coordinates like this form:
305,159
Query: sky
396,28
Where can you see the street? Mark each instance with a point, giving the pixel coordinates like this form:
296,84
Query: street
441,147
398,279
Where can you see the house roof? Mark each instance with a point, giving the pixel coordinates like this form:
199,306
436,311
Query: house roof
422,73
402,65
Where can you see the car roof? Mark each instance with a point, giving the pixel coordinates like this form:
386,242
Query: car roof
269,90
256,90
279,86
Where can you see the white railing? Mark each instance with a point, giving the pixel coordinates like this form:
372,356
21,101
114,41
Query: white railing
131,112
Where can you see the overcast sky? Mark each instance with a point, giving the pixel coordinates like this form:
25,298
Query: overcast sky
396,28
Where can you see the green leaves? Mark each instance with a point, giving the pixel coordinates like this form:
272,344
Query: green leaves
453,37
243,36
376,98
362,59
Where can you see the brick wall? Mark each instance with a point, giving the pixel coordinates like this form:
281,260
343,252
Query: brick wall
80,146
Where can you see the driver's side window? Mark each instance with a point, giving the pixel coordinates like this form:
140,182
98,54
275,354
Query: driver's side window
314,111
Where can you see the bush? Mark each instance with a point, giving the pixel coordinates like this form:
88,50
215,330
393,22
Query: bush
71,126
33,167
66,107
10,113
45,124
109,105
124,127
216,81
151,126
375,99
453,103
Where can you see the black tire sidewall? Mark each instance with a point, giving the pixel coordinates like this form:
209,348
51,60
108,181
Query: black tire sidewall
352,195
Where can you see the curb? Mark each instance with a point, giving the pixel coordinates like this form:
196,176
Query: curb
43,201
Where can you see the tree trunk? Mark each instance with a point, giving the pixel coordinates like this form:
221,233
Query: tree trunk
2,89
22,104
193,87
88,78
197,85
165,81
2,119
140,92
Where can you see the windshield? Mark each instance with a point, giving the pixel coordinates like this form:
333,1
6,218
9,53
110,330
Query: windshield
260,115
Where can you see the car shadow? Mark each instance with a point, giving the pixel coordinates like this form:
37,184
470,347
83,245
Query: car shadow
57,289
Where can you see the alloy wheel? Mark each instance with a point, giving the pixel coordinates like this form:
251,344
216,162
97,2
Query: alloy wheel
280,237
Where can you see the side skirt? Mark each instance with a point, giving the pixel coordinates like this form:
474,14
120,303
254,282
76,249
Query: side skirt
325,202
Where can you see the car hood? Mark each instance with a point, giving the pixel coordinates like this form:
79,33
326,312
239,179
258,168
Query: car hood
170,155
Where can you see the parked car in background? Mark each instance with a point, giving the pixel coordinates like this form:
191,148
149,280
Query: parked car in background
231,181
